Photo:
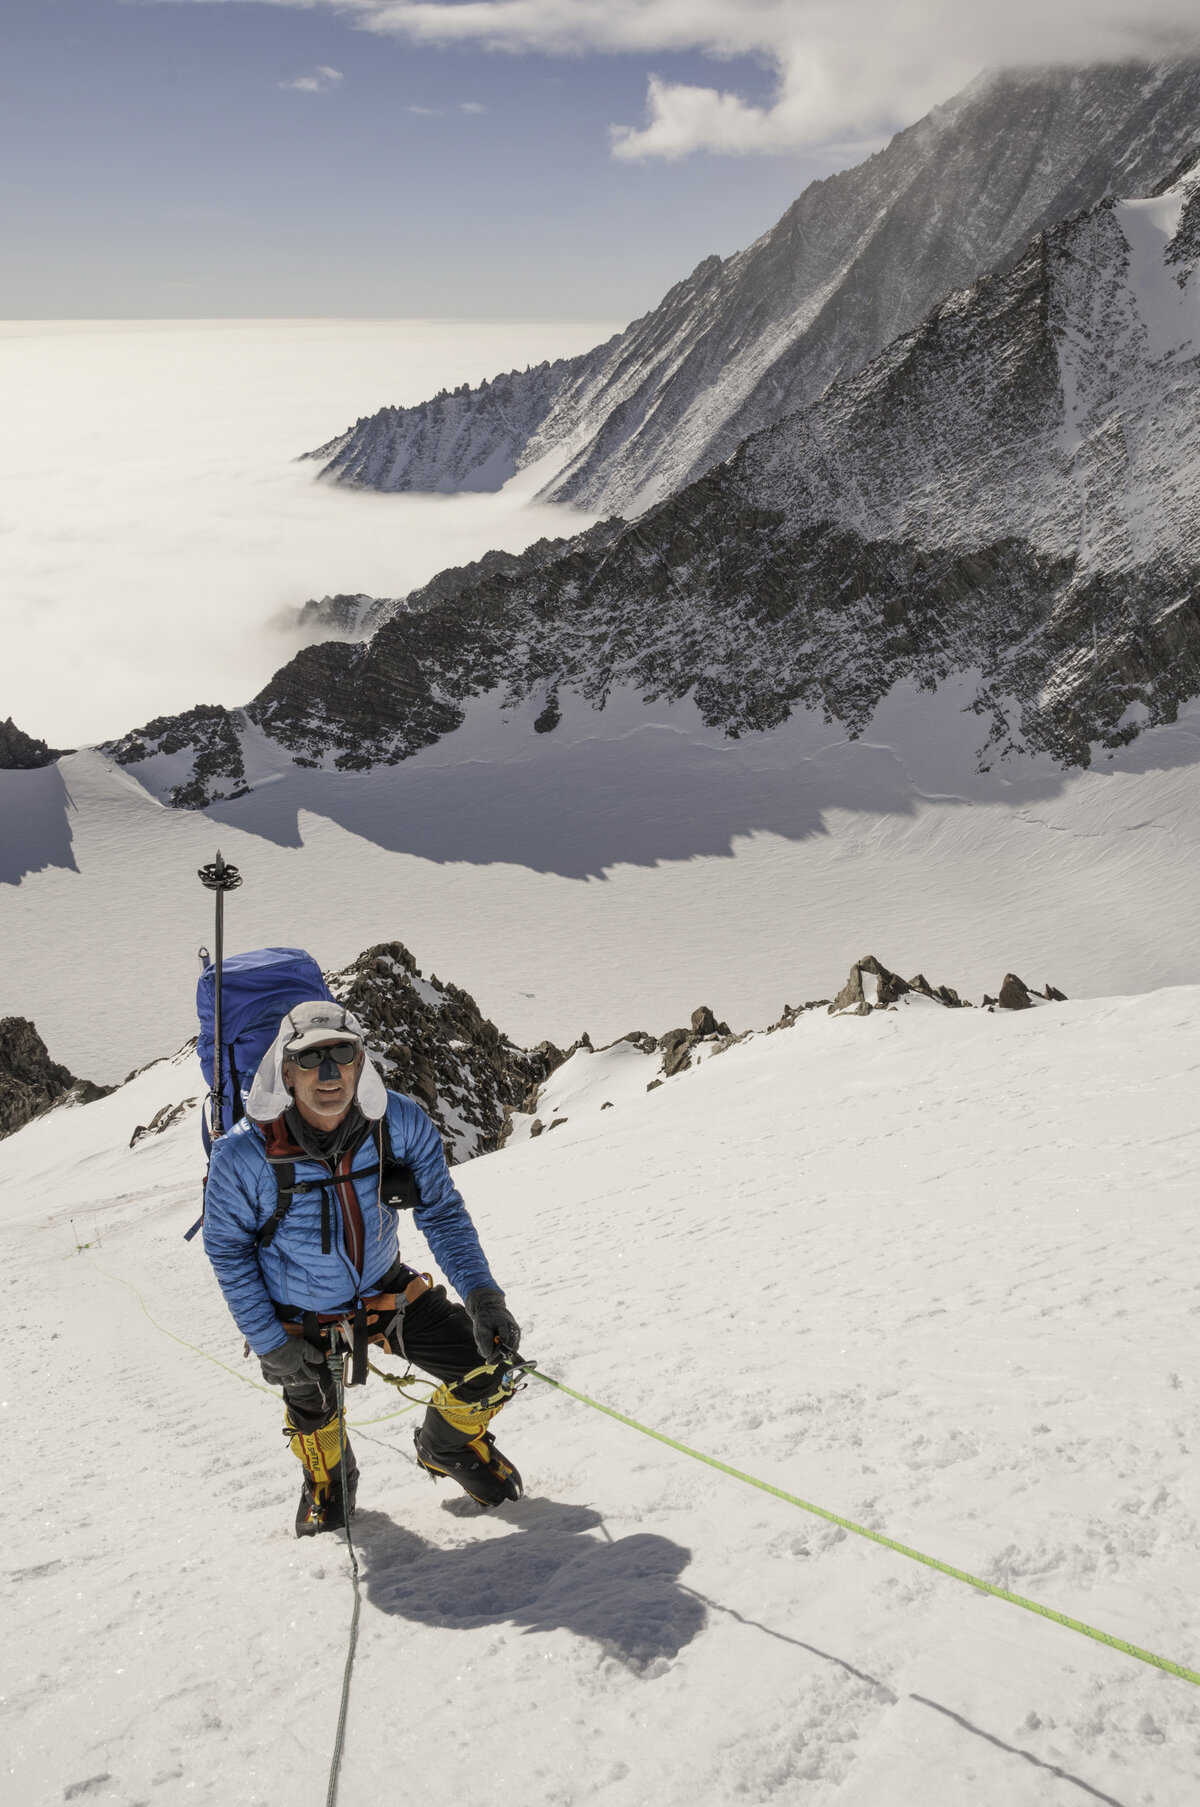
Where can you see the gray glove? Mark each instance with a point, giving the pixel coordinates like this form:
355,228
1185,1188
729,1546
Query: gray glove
492,1322
293,1360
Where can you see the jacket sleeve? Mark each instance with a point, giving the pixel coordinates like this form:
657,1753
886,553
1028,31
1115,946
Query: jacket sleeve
230,1228
441,1217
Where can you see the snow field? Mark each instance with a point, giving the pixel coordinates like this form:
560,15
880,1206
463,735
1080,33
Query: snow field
927,1269
612,875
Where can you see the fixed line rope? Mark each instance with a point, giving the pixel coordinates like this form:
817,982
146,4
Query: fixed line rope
846,1524
337,1363
354,1423
889,1543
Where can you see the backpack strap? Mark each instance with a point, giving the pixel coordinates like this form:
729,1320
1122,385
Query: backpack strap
285,1180
236,1107
398,1190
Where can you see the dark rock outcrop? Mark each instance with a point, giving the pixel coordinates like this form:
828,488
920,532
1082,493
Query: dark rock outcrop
1016,995
343,617
873,986
852,999
677,1045
163,1119
30,1082
21,753
432,1041
217,769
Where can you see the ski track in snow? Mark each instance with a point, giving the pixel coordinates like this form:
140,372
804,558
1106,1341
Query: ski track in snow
925,1268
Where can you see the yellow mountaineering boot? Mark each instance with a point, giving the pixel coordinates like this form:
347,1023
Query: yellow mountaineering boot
322,1507
454,1441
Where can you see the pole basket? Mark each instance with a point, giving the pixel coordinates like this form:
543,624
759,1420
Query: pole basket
219,876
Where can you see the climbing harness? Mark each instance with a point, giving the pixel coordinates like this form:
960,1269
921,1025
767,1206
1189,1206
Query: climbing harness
372,1318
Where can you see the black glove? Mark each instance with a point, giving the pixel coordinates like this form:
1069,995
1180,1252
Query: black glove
492,1322
293,1360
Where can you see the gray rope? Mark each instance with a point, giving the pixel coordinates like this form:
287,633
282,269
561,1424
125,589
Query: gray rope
337,1362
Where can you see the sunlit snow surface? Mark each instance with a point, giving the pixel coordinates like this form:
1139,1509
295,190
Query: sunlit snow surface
612,875
927,1268
154,522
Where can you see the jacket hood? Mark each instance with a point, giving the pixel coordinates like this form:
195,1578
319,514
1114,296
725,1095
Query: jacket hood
269,1097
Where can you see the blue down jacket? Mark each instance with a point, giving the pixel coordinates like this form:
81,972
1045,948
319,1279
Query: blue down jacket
241,1195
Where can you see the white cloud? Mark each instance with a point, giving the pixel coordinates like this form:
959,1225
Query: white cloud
323,80
842,68
145,554
471,106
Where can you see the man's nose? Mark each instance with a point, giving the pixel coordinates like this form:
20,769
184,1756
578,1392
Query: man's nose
329,1069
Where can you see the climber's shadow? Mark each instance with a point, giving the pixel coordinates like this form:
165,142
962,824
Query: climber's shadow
547,1575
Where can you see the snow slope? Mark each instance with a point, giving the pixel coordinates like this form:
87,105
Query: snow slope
924,1268
612,875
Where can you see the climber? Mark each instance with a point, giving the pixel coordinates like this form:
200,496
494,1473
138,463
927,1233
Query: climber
300,1226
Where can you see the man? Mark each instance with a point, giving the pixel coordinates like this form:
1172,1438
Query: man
302,1241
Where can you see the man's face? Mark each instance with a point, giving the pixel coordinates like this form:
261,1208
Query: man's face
325,1092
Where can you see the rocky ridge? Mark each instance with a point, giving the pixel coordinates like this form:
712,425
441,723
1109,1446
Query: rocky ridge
432,1041
639,1062
30,1082
481,1089
1008,491
856,261
20,752
342,617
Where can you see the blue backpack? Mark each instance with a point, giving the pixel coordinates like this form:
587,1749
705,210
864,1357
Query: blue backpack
257,991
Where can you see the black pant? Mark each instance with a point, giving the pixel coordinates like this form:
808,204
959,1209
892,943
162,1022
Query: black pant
433,1334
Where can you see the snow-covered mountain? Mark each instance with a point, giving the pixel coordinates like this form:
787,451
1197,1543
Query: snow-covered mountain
922,1268
1009,490
857,260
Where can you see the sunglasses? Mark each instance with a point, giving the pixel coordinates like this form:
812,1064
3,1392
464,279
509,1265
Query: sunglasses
341,1052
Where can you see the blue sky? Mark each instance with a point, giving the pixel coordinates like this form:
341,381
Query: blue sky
163,170
461,158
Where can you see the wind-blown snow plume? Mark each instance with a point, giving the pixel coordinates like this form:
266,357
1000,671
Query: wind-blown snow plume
842,67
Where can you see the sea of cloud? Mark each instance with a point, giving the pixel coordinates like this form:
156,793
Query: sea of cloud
155,527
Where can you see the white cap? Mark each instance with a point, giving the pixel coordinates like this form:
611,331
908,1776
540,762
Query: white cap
309,1025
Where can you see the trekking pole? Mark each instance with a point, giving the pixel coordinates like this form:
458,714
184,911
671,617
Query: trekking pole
220,878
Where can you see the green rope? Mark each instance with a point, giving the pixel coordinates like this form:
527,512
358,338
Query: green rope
355,1423
930,1562
833,1518
182,1341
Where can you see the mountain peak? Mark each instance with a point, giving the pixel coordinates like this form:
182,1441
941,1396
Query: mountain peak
856,260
